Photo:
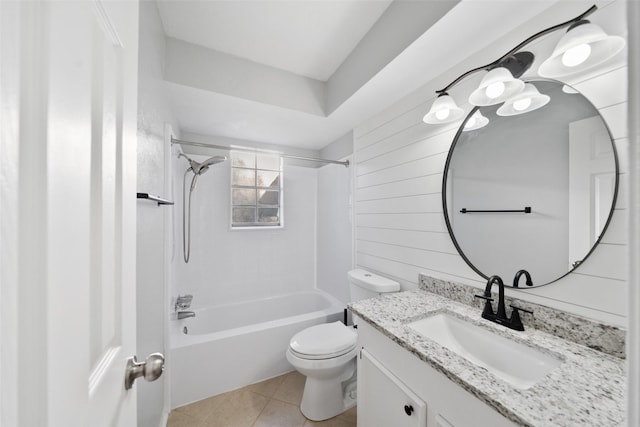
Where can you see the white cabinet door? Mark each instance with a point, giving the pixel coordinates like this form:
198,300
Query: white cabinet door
384,401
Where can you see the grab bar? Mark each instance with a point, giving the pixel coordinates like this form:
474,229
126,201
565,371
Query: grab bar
527,210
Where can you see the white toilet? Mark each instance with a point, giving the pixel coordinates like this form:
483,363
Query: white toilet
326,354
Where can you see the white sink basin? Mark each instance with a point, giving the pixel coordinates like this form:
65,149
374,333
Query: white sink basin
516,363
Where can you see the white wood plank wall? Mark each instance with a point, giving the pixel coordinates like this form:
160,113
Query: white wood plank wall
400,228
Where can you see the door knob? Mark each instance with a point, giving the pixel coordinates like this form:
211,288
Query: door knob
150,369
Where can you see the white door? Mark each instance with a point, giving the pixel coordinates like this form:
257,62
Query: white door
592,179
69,99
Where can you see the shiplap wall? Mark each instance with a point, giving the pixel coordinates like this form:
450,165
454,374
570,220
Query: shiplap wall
400,228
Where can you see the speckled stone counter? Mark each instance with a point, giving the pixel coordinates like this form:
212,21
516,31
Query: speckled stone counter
587,389
598,336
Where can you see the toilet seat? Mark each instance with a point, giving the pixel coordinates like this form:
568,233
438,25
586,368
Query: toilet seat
323,341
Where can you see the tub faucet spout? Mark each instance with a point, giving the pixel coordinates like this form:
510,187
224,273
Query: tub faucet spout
185,314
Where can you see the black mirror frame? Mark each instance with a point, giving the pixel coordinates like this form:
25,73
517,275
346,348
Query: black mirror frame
446,211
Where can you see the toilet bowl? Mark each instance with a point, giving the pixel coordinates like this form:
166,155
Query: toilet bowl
326,354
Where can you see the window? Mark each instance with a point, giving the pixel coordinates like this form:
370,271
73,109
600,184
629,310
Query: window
256,189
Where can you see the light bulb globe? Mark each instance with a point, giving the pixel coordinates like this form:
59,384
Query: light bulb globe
443,114
522,104
443,110
494,90
576,55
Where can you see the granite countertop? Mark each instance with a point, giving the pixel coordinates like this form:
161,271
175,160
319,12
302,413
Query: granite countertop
587,389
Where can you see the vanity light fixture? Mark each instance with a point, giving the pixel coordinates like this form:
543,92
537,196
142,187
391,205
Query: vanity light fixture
476,121
496,86
527,100
443,110
585,46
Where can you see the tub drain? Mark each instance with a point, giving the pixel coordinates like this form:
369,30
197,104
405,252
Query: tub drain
185,330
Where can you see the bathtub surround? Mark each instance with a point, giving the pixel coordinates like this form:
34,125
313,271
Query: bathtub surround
587,389
605,338
229,266
334,230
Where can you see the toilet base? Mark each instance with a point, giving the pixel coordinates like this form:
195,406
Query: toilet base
324,399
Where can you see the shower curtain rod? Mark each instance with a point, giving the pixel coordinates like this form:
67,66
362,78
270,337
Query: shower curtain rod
287,156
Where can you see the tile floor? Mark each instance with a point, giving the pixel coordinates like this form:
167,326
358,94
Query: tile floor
271,403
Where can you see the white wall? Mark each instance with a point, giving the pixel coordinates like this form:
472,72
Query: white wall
235,265
153,113
335,229
400,230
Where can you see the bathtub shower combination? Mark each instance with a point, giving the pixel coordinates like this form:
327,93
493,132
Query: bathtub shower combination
230,346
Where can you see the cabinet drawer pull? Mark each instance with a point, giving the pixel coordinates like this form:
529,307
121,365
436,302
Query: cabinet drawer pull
408,409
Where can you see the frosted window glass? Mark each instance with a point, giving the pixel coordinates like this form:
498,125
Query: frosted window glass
268,178
244,196
244,177
244,215
243,159
256,186
266,197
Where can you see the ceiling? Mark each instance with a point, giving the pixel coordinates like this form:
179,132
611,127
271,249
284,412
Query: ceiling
309,38
305,73
285,72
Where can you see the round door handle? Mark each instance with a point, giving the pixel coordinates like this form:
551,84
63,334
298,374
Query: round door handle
408,409
150,369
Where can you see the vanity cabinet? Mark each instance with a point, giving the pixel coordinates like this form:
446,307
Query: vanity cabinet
390,377
387,400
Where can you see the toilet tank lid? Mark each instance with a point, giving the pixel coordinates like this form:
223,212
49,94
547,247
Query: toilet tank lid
373,282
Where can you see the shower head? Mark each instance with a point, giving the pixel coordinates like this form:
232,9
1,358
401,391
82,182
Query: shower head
200,168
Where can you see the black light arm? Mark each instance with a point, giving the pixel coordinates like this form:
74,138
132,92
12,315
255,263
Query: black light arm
520,46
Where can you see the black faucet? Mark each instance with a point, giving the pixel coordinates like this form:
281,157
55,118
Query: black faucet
526,275
500,316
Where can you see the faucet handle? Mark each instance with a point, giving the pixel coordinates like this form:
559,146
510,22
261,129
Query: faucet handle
488,310
516,308
515,322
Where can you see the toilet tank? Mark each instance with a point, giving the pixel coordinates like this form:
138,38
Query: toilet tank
364,284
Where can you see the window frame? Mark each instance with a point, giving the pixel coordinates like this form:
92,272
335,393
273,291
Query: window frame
280,189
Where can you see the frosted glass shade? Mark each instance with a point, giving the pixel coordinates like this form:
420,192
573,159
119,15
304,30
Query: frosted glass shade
527,100
582,47
476,121
443,110
496,86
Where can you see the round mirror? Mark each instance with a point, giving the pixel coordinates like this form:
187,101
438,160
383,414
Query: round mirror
532,191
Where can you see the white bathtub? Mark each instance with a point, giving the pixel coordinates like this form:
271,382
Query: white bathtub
230,346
